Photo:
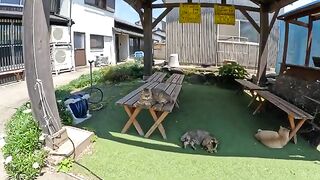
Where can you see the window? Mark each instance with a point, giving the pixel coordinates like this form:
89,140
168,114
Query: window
79,40
111,5
248,31
96,42
12,2
242,31
102,4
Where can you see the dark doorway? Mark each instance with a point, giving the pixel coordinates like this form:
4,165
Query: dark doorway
117,48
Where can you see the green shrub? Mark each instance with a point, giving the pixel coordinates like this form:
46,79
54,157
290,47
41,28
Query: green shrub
65,165
232,71
23,145
65,115
84,80
123,72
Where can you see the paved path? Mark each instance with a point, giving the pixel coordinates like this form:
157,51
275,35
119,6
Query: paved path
15,95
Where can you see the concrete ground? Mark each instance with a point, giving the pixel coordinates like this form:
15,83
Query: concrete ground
16,94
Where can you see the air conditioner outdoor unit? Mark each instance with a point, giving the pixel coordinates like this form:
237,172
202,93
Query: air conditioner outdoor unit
59,34
61,58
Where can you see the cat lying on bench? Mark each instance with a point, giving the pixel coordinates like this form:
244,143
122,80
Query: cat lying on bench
273,139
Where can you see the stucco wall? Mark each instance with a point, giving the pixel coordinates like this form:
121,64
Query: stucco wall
91,20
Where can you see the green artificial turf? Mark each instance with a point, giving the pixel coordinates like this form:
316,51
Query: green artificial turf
217,110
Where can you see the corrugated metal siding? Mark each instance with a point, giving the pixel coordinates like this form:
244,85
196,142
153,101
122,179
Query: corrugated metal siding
197,43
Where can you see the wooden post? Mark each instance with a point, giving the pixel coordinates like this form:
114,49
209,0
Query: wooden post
263,46
36,25
147,37
309,42
285,48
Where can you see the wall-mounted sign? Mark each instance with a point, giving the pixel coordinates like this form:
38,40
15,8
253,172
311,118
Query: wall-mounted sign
190,13
224,14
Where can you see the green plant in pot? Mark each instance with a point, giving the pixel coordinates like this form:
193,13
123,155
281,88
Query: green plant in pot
229,72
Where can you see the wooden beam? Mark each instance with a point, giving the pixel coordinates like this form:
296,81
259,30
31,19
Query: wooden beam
316,17
309,42
298,23
279,4
302,12
285,47
36,53
256,2
250,19
147,38
273,20
263,46
137,6
208,5
160,17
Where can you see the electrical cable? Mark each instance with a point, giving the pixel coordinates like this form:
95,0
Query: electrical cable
47,111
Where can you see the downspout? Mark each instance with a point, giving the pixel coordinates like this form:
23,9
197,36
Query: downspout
70,35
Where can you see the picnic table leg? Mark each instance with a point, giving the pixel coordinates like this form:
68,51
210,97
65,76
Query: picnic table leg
253,98
259,106
160,127
156,124
294,128
240,90
132,113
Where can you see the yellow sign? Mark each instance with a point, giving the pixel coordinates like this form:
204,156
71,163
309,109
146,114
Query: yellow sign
224,14
190,13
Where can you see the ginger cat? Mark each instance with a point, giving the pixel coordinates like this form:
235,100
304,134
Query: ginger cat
273,139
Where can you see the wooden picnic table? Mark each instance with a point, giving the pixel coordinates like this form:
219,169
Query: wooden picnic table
251,87
158,113
175,79
294,113
157,77
263,95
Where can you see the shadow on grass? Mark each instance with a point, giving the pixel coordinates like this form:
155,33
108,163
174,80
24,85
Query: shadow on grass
219,111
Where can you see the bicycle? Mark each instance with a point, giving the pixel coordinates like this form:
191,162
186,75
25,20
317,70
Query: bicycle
96,94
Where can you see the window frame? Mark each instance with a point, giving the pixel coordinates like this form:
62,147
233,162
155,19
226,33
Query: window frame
12,4
239,33
106,8
97,47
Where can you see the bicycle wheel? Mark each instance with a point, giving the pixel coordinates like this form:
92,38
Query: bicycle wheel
96,95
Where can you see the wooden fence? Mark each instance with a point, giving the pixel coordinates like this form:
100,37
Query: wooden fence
244,53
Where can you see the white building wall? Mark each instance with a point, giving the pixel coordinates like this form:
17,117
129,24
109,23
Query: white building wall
91,20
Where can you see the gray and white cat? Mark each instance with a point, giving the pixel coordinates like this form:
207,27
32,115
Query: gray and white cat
150,97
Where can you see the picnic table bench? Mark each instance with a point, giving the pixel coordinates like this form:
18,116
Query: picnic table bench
158,113
175,79
294,113
157,77
251,87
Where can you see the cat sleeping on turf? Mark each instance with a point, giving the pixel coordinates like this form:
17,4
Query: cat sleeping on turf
273,139
150,97
200,137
